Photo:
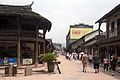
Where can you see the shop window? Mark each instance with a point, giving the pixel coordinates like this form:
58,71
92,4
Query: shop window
112,26
26,52
8,55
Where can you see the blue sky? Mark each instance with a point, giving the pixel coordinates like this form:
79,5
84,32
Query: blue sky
63,13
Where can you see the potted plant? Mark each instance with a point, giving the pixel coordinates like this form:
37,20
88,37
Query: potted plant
50,59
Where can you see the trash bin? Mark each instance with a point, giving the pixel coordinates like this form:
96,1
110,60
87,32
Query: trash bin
28,70
11,70
14,69
6,70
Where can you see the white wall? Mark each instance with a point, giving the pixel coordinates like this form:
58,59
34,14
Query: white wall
88,37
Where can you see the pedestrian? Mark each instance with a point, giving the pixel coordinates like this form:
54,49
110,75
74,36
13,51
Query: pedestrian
106,63
81,54
67,55
90,58
74,54
96,62
84,61
113,64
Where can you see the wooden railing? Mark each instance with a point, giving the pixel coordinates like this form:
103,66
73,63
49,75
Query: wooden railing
103,33
8,33
23,33
113,33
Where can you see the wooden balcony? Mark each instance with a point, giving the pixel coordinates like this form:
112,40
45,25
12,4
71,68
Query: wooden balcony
25,33
7,33
113,33
13,34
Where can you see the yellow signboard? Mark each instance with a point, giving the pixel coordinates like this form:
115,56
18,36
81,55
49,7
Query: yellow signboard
76,33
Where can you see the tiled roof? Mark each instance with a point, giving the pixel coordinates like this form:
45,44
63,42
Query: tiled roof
25,11
114,10
17,10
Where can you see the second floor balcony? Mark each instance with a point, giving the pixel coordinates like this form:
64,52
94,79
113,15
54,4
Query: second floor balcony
111,34
23,33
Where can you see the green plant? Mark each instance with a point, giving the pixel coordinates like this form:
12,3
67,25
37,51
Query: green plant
48,57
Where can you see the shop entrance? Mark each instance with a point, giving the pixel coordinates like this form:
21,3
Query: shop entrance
27,53
8,53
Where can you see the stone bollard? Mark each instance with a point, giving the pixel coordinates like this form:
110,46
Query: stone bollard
28,70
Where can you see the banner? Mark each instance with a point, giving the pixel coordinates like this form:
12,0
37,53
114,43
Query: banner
27,61
77,33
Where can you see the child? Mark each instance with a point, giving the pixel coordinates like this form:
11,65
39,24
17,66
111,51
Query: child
106,63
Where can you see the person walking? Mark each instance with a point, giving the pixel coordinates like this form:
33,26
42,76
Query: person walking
106,63
96,62
84,61
90,58
113,64
81,55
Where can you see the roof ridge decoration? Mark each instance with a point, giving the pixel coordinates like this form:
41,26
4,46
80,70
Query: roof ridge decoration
25,7
30,4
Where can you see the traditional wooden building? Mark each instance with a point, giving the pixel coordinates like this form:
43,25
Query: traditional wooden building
49,46
76,32
90,41
109,43
20,39
77,45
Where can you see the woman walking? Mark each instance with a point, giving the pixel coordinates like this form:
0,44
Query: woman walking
84,61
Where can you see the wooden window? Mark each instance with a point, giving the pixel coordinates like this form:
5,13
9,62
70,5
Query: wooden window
112,26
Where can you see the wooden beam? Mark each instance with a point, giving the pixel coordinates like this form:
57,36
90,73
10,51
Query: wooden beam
99,27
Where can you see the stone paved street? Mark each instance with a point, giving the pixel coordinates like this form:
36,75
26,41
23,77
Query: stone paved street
71,70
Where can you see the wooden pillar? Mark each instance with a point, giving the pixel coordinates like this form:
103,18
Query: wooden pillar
36,53
107,29
115,51
99,27
36,47
98,38
39,48
44,47
107,36
44,32
19,53
18,44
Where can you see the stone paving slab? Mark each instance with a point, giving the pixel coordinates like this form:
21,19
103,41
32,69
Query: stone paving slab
71,70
